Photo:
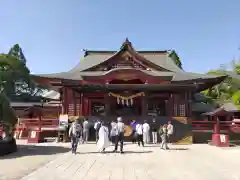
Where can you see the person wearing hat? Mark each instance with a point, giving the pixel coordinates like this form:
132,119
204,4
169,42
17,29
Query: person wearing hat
75,132
120,135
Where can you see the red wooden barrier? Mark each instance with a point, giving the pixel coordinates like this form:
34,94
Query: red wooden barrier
35,127
229,126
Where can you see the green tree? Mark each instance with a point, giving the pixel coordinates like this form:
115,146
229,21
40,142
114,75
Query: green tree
25,87
174,56
17,52
12,71
228,90
15,74
8,118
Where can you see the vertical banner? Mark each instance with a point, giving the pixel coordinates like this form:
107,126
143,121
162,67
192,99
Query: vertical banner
63,121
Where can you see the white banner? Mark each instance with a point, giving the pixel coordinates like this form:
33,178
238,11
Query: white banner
222,138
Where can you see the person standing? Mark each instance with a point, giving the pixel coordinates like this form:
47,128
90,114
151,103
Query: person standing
85,130
154,129
139,131
97,126
103,141
170,131
113,132
146,129
164,135
75,132
120,135
134,134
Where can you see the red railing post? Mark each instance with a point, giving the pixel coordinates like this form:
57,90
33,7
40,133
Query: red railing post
216,125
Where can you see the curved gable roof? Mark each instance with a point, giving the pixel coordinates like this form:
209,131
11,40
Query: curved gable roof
159,58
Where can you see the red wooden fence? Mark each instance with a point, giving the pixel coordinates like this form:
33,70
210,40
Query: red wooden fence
208,126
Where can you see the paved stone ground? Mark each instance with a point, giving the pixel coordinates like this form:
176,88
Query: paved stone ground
193,162
29,158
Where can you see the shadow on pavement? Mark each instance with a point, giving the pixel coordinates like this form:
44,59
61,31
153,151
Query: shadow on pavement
111,152
31,150
178,149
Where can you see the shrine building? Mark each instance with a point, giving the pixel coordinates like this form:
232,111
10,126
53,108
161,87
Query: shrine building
132,84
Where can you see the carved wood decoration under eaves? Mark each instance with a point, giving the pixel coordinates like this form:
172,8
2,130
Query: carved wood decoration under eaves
125,60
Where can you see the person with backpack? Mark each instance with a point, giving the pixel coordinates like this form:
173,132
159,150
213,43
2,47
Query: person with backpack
75,132
163,131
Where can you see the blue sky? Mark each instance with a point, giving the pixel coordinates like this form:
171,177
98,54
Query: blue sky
52,33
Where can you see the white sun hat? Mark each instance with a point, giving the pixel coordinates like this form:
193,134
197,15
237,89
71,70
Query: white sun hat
119,119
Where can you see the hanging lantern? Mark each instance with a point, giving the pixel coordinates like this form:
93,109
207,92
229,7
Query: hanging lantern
118,100
122,101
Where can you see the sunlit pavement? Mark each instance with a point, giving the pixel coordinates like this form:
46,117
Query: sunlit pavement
191,162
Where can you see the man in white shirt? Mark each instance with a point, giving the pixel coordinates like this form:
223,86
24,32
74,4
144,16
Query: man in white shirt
120,134
97,126
169,130
85,130
139,131
113,132
146,130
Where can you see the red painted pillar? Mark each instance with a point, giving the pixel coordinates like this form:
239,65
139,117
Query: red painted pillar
82,106
219,140
216,125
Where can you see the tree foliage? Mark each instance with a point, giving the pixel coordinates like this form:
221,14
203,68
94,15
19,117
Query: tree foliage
174,56
15,81
8,118
15,76
25,87
17,52
228,90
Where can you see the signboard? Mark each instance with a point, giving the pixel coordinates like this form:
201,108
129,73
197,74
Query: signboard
33,134
222,138
63,121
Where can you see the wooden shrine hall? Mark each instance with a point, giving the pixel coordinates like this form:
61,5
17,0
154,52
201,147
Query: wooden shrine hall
131,84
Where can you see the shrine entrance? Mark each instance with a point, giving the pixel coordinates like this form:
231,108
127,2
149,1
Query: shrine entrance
126,103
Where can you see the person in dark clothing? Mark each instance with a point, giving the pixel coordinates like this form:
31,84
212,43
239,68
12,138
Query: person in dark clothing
154,129
120,135
139,131
75,132
134,134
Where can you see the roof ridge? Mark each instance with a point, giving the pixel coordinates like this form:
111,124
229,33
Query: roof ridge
87,52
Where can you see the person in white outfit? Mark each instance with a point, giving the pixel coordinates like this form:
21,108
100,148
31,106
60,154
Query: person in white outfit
169,131
139,131
103,141
146,130
113,132
85,130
